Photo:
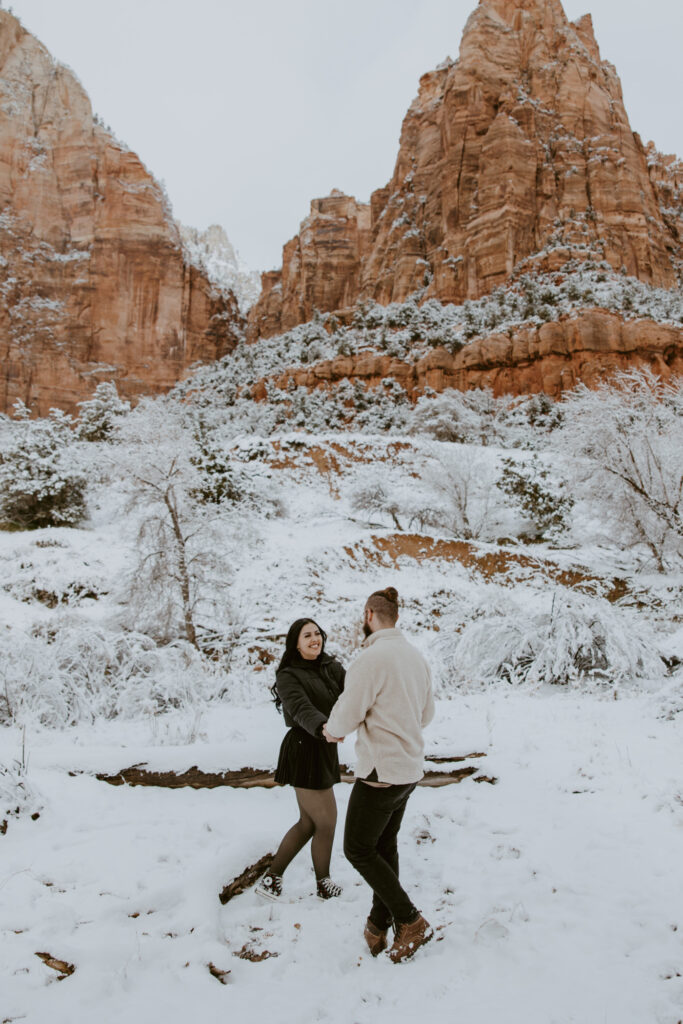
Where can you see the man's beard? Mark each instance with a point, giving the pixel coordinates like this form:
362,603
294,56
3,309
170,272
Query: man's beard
366,630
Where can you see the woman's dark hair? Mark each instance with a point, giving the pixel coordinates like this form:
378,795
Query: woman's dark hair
291,653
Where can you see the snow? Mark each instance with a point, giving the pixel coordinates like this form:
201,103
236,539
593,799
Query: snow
212,252
555,894
409,330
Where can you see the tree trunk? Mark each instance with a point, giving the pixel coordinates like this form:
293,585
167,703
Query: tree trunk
190,632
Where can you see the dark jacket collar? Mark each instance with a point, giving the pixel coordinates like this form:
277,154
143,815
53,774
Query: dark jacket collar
299,662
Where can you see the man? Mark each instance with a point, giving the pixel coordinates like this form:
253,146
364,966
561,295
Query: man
388,699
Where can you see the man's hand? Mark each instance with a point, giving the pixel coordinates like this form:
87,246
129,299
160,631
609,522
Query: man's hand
330,738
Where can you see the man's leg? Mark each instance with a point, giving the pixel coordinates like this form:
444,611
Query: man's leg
387,848
370,813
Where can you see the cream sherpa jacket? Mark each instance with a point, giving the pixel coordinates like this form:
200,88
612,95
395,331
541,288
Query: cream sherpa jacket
388,698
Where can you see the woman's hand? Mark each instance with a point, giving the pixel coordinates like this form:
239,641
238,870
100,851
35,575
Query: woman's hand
331,739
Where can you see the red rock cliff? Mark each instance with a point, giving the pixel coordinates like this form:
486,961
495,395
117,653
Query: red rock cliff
321,266
93,281
519,153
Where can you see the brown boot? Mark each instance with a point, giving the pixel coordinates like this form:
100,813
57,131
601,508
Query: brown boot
376,939
409,937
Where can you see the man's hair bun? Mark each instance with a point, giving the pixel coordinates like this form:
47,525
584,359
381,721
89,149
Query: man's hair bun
385,603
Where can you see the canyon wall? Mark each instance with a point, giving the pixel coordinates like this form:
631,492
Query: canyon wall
551,358
321,266
93,280
517,156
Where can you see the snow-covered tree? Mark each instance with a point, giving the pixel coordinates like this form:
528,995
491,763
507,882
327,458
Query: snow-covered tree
465,502
543,501
462,416
41,483
377,499
628,436
100,414
179,585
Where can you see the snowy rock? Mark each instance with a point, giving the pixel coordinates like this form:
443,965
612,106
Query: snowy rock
212,253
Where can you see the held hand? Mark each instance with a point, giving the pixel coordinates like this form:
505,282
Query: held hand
329,738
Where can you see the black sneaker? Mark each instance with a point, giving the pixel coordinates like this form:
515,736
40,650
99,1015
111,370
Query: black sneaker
269,887
327,889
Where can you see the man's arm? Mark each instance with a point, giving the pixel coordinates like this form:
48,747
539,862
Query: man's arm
360,693
428,710
331,739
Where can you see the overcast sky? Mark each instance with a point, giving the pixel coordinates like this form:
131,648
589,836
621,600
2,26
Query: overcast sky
248,110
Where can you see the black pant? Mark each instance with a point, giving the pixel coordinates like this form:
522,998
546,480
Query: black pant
372,823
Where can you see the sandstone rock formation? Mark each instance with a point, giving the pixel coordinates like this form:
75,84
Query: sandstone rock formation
550,358
93,281
518,155
321,266
212,253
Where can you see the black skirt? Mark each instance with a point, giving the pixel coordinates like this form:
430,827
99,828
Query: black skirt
307,762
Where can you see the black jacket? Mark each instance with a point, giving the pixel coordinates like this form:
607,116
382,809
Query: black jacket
309,690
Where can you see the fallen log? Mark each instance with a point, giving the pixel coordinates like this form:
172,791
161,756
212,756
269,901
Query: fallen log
194,777
249,877
245,778
451,758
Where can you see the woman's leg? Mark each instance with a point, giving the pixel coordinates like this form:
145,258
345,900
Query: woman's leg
294,840
320,807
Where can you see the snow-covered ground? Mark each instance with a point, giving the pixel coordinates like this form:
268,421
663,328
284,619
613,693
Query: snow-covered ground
555,894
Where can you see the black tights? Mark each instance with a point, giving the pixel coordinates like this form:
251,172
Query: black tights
317,822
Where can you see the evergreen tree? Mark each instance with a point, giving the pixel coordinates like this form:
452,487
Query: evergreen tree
99,414
40,484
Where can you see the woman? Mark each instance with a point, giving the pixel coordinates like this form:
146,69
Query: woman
307,685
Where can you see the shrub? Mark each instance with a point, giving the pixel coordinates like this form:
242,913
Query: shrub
544,502
465,501
40,483
628,435
560,637
460,416
17,794
71,672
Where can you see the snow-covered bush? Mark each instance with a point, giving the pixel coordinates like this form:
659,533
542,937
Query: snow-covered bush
376,499
40,481
18,795
71,671
218,481
474,416
53,572
628,437
529,420
543,501
461,493
558,636
100,414
670,699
